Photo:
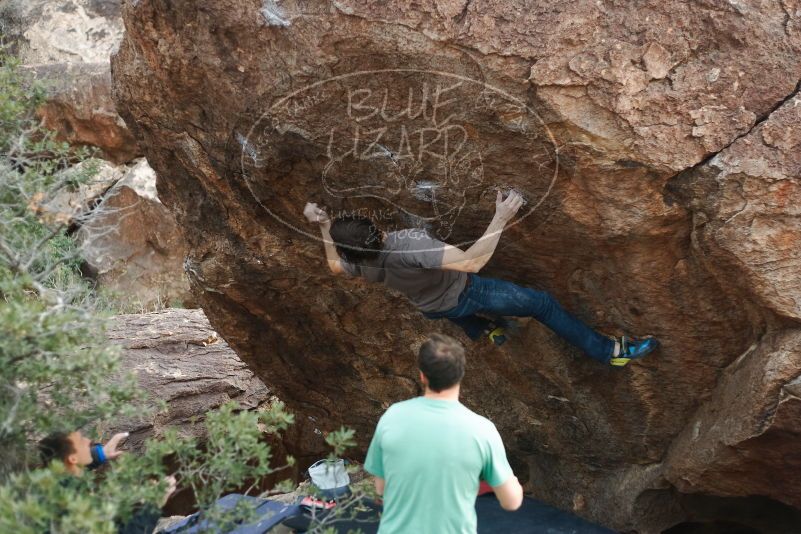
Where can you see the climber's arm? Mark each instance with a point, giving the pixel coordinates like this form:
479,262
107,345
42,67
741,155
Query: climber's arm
476,257
315,214
331,255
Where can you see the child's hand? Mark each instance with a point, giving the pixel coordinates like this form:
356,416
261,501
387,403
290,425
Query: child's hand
172,485
110,448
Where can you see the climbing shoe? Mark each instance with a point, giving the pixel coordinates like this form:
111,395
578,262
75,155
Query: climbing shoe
632,348
498,336
500,329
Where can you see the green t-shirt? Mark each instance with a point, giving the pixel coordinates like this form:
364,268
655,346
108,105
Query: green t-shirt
431,454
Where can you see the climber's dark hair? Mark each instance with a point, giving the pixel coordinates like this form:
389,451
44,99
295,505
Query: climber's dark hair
56,446
356,238
441,359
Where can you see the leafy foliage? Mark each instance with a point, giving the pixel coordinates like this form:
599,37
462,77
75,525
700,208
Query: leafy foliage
233,454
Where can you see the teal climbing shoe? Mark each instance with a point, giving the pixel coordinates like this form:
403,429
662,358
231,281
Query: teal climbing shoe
632,348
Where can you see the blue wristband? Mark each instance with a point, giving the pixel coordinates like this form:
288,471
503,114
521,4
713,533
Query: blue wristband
101,454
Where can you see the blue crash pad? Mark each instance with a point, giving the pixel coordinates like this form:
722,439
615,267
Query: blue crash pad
533,517
270,514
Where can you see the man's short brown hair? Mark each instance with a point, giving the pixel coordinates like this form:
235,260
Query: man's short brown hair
357,239
441,359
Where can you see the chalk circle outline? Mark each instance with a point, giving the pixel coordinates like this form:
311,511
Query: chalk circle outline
316,84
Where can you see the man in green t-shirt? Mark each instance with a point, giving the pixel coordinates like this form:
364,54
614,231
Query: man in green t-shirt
429,453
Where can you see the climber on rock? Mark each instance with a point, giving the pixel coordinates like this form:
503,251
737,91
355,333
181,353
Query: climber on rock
441,281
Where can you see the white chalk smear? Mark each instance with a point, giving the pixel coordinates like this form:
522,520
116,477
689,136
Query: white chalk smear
273,14
248,149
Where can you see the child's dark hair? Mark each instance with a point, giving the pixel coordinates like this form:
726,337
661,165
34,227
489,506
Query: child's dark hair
356,238
56,446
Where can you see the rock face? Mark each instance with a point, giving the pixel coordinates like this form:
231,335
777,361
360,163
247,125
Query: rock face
80,109
735,442
177,357
66,45
129,241
655,144
746,203
132,245
70,31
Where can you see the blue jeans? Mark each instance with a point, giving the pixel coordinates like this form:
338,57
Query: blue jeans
497,298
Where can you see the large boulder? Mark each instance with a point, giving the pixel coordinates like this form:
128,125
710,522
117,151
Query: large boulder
66,46
603,114
62,31
131,244
80,110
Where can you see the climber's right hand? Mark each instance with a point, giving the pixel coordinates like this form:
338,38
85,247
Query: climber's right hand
315,214
505,209
172,485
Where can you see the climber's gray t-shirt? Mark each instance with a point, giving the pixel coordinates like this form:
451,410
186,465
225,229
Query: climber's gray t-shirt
411,262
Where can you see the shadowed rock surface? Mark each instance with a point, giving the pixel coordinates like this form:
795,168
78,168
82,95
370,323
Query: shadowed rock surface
748,428
606,115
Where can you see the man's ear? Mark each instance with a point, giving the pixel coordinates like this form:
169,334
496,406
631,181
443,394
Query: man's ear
423,379
71,460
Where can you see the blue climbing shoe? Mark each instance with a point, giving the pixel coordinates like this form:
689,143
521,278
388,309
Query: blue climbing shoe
632,348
